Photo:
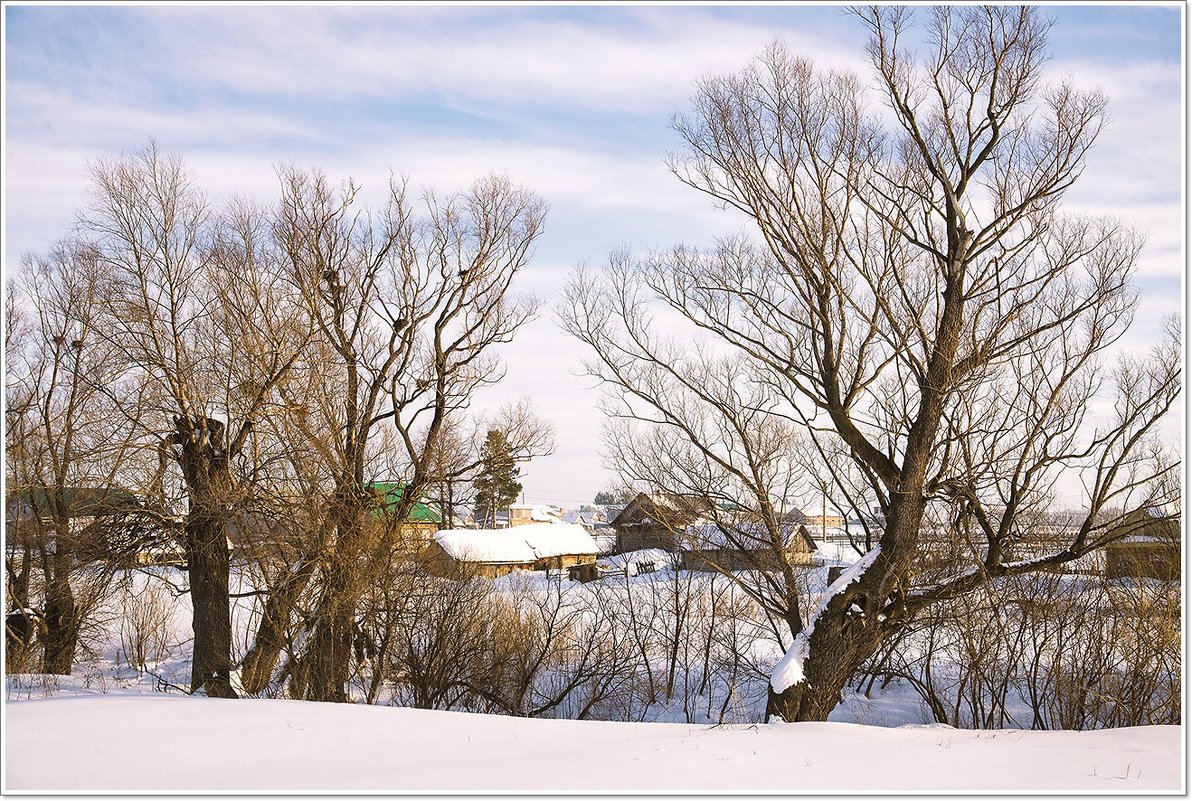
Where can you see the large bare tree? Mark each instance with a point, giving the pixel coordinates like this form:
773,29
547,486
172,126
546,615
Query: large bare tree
916,298
407,307
701,424
199,310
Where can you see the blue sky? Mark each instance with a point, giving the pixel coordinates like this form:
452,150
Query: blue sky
571,101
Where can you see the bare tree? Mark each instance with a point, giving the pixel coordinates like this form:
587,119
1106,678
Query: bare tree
701,425
199,311
68,454
407,310
919,302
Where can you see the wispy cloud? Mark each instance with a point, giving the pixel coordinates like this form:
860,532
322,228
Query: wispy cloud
571,101
625,61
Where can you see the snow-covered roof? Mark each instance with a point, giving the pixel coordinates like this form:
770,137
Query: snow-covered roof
580,516
674,510
542,512
516,545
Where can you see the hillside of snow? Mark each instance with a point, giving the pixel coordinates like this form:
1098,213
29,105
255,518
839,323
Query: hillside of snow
157,742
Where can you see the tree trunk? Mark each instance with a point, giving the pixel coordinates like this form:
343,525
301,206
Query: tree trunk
259,663
61,617
836,654
207,558
324,664
209,486
19,579
855,623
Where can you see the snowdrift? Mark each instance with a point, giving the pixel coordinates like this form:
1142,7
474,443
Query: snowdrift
137,743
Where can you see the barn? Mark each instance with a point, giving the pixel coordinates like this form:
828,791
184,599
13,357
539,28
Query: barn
498,552
742,545
1148,546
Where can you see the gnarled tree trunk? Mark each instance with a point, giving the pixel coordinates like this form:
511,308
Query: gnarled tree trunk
209,484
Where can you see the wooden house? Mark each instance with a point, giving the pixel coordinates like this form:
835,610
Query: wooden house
657,520
32,512
422,519
498,552
1148,546
740,543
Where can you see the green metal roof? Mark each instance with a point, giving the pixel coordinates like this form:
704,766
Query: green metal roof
390,494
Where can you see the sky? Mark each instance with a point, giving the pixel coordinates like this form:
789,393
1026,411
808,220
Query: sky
573,102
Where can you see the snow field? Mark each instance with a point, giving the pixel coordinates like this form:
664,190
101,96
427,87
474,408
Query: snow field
142,743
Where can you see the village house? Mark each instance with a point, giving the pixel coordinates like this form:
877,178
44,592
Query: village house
657,520
32,511
32,515
497,552
422,520
255,536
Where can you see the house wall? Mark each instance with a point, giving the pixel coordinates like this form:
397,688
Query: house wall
640,537
495,571
439,563
565,561
829,521
415,536
730,559
520,517
1157,560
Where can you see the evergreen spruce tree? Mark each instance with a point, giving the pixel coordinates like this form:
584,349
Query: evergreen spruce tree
496,484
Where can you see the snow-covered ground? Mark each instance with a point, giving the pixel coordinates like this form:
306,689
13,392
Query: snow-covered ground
112,727
131,742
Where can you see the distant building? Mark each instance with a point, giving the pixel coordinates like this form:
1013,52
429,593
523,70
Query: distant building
33,516
254,536
422,519
588,518
37,507
521,514
825,521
